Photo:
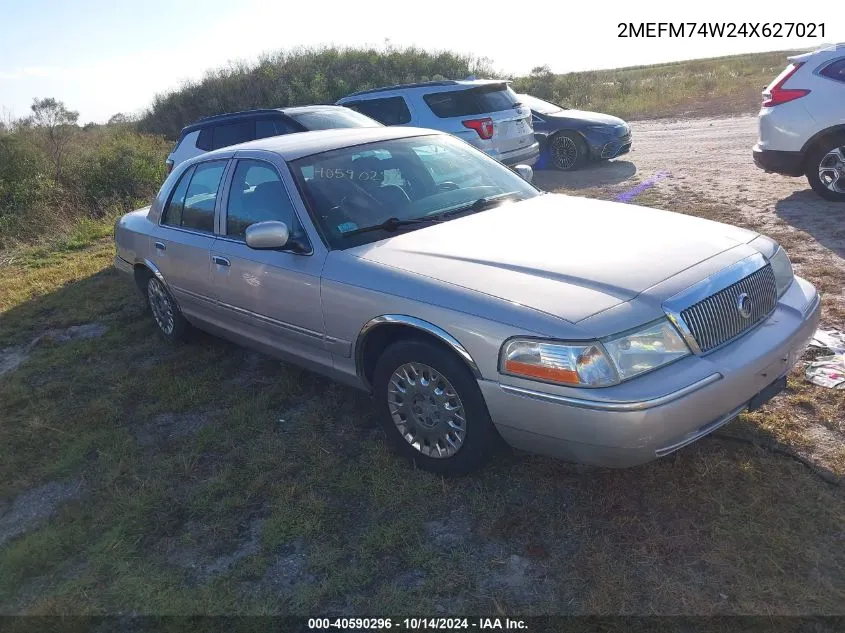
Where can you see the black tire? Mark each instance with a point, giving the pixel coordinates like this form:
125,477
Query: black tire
815,157
567,151
479,434
161,303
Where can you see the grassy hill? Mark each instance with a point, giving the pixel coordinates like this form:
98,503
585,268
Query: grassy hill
699,87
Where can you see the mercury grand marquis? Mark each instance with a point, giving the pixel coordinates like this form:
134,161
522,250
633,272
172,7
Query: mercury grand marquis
471,305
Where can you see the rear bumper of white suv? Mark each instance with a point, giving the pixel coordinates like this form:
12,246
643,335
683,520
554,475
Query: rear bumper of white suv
523,156
779,162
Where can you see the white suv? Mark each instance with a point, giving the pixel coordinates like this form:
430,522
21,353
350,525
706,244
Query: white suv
802,122
485,113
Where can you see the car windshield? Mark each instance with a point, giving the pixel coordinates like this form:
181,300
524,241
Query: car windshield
538,105
332,118
429,178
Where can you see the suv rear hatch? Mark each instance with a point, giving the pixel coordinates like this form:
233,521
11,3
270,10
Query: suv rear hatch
488,116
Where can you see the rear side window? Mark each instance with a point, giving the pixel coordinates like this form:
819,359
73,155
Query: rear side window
233,133
835,71
192,203
172,215
390,110
480,100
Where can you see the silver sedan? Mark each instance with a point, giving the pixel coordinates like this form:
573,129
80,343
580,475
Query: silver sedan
470,304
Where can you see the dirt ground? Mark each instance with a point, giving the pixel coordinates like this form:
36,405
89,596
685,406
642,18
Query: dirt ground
707,163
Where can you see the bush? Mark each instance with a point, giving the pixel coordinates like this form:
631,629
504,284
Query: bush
300,77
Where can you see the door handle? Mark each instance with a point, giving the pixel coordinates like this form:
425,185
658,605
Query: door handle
220,261
160,246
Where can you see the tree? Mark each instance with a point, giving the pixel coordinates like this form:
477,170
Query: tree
59,124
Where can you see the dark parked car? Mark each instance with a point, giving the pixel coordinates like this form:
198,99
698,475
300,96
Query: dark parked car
223,130
570,138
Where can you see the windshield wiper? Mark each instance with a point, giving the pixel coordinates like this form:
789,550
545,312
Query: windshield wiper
390,224
479,205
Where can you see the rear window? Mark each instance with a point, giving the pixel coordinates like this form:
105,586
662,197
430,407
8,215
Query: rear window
835,71
334,118
390,110
479,100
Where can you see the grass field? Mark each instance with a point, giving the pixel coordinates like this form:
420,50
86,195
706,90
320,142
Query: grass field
701,87
204,478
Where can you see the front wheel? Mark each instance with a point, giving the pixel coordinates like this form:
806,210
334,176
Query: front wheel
431,408
567,151
826,169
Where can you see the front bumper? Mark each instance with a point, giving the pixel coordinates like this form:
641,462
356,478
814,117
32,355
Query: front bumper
604,147
621,430
786,163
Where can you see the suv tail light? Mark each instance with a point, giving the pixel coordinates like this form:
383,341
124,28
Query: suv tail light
484,127
777,94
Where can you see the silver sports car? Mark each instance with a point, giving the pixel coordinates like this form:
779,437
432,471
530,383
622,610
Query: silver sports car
470,304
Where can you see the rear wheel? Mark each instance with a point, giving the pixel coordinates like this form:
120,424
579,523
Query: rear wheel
166,313
567,151
826,168
431,408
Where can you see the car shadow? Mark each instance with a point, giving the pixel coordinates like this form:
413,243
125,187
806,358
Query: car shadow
595,174
820,218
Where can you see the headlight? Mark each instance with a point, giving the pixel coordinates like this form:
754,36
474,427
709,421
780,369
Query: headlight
601,129
645,349
575,364
782,268
594,364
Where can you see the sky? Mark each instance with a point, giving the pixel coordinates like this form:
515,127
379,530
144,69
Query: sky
102,57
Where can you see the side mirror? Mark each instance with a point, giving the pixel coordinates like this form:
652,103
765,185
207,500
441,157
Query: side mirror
525,172
269,234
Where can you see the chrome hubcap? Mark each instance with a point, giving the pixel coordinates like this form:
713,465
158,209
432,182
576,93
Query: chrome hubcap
426,410
160,305
832,170
564,152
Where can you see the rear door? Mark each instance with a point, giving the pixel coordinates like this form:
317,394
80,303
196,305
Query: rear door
183,239
467,110
270,296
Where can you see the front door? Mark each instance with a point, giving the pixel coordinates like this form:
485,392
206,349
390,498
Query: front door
272,295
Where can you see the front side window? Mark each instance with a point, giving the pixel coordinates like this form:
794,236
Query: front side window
479,100
272,127
427,178
257,194
389,110
835,71
201,196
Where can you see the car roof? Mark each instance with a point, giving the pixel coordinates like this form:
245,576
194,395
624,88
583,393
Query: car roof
293,146
248,114
833,49
447,84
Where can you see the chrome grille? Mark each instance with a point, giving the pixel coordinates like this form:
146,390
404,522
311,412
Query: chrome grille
716,320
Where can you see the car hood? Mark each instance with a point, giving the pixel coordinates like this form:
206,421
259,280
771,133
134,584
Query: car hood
582,116
565,256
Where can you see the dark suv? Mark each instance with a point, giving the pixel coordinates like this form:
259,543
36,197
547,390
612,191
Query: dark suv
222,130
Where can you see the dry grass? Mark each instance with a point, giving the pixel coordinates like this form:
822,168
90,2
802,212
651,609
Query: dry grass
701,87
